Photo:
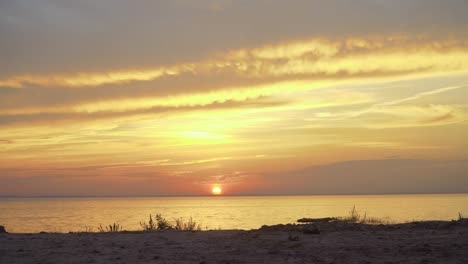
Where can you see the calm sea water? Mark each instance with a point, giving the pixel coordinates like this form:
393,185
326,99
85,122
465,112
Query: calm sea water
23,215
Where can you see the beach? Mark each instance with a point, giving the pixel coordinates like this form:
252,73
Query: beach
319,242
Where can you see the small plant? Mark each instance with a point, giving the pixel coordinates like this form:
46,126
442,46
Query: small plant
190,225
88,229
162,223
216,228
377,221
354,216
179,223
110,228
158,223
460,216
150,226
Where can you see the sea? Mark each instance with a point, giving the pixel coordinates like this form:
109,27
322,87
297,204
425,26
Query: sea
75,214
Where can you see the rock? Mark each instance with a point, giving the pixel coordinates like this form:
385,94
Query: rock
2,230
279,227
311,230
292,237
312,220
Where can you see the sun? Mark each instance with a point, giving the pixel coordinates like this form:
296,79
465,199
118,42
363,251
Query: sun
216,190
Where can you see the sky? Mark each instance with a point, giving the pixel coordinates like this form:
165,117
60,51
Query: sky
264,97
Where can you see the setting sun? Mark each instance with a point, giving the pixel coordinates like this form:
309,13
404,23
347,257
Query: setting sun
273,140
216,190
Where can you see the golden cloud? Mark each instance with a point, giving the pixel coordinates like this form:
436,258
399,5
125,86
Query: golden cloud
314,58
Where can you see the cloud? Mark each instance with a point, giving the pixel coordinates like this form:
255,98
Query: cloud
40,185
394,116
267,71
48,36
93,116
398,112
423,94
411,116
315,58
188,90
374,176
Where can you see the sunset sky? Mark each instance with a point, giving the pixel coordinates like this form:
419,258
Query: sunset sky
117,97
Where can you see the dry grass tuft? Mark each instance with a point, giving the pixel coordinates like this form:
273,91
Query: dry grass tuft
110,228
190,225
161,223
356,217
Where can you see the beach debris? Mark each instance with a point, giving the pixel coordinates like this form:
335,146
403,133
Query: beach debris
2,230
315,220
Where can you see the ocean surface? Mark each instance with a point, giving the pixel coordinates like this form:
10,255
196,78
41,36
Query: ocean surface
25,215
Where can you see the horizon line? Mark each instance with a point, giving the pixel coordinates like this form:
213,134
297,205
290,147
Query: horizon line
231,195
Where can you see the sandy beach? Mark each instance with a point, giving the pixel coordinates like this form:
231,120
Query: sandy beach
321,242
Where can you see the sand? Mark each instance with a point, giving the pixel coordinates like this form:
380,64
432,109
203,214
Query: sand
337,242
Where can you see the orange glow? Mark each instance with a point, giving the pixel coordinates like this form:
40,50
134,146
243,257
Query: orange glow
249,120
217,190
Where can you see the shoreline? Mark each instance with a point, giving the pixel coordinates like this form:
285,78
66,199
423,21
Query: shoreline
317,242
321,223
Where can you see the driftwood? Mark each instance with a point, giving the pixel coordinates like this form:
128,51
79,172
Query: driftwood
315,220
